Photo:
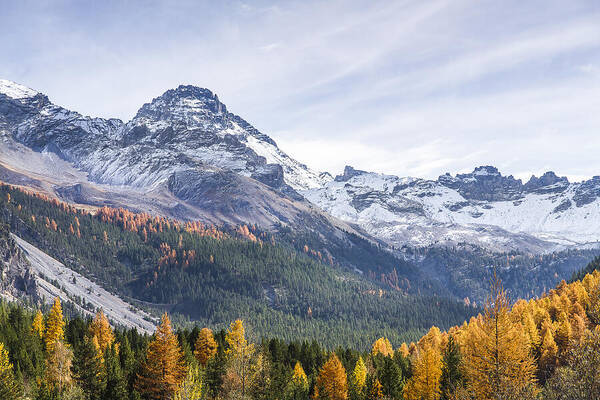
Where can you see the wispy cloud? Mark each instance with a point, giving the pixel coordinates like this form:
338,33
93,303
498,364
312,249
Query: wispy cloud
407,87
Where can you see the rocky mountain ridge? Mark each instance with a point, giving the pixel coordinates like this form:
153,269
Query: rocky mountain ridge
483,207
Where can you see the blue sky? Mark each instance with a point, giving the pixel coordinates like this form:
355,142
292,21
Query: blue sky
404,87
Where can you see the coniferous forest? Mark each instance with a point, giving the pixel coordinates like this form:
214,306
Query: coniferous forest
255,332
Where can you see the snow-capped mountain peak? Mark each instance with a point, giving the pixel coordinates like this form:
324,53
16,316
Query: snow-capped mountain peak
484,207
16,91
185,128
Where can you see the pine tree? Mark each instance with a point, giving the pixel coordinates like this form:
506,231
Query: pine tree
116,386
88,370
331,383
452,376
55,326
9,388
497,356
390,377
164,369
205,346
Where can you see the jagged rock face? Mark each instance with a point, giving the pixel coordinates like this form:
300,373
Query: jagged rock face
182,141
482,207
184,129
16,277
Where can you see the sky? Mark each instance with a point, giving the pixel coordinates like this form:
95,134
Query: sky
410,88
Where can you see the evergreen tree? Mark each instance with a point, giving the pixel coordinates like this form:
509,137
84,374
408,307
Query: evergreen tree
116,385
88,370
452,376
390,378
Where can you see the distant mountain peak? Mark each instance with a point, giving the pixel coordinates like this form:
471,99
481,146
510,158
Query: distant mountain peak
349,173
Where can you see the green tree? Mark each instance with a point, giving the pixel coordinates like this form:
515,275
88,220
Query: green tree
452,376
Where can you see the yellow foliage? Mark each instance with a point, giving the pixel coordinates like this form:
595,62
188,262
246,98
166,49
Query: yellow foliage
496,351
427,372
359,375
331,383
164,370
101,330
54,326
38,324
205,346
382,346
299,379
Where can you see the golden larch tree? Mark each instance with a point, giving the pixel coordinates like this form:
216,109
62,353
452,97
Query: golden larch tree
427,373
359,375
164,369
37,326
239,355
382,346
496,352
331,383
58,366
8,385
101,330
55,326
205,346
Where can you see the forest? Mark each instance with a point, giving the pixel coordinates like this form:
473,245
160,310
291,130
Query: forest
320,334
214,275
544,348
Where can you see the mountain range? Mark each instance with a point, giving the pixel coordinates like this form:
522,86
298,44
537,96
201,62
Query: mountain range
184,155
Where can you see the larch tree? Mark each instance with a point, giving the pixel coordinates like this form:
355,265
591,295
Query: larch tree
101,330
9,388
164,369
239,355
427,372
331,383
297,387
191,387
55,326
375,390
58,366
359,375
205,346
38,324
497,357
382,346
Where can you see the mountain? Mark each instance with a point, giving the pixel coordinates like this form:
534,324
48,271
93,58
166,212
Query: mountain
484,207
182,155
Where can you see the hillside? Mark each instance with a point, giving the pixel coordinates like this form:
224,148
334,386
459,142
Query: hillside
214,275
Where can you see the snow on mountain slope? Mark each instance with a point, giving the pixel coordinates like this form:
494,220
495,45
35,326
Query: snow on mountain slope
483,207
185,128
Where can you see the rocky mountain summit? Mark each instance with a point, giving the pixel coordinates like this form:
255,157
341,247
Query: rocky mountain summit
482,207
183,155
